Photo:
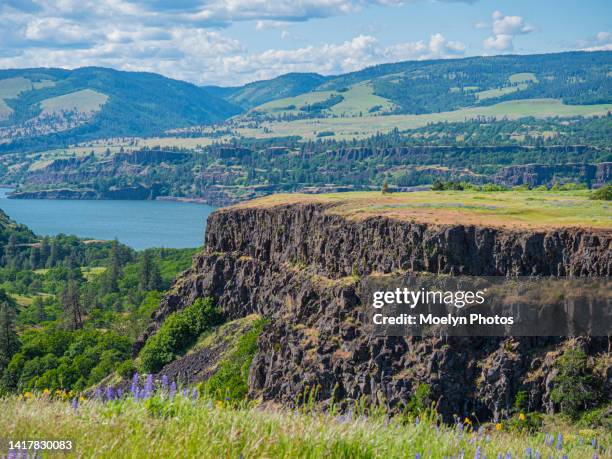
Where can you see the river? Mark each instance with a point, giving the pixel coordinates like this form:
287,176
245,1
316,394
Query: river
139,224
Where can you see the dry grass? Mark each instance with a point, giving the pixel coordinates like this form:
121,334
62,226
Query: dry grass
511,209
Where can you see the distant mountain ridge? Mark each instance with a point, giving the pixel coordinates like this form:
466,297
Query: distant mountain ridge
45,108
94,102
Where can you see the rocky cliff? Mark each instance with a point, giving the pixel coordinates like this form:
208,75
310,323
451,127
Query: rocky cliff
303,267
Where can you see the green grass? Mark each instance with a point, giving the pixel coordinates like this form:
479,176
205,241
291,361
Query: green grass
512,209
186,428
365,126
522,77
358,99
492,93
84,101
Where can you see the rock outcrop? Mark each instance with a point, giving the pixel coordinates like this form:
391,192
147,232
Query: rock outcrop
303,267
595,175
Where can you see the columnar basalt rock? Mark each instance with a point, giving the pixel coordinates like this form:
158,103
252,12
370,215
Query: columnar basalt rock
302,266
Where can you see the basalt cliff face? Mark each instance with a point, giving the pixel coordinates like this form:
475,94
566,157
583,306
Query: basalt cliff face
303,267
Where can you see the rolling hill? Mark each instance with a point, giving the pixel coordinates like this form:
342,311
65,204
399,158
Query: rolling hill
427,87
260,92
65,106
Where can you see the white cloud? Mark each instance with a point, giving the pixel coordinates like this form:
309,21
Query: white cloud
504,29
600,42
185,38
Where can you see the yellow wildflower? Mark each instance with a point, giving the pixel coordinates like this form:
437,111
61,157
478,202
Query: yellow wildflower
46,392
82,399
498,426
467,421
522,417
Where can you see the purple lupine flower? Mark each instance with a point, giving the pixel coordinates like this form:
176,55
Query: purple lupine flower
98,393
559,441
134,387
499,456
417,421
477,454
75,403
185,392
594,442
110,393
528,453
417,456
549,440
194,394
148,388
172,390
595,456
119,392
508,456
538,455
164,382
564,456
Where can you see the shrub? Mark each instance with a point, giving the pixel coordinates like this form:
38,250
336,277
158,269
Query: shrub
177,333
126,369
575,387
231,378
603,194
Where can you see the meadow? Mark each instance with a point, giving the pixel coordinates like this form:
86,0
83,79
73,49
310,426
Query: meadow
167,422
513,209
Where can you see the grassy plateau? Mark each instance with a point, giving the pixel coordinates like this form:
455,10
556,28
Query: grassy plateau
512,209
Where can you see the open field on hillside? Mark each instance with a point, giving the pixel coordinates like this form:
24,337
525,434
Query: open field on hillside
511,209
359,98
358,127
84,101
183,427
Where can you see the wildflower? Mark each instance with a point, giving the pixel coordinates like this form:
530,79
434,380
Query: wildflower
164,382
559,441
595,456
467,421
594,442
46,392
110,393
194,394
528,453
28,395
75,403
477,454
499,456
498,426
538,455
119,393
417,420
172,390
508,456
82,399
522,416
417,456
148,388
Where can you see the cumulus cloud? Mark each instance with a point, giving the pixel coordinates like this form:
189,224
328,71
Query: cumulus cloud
600,42
185,38
504,29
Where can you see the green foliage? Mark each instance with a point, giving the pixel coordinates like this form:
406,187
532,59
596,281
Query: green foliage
603,194
597,417
126,369
9,341
59,359
230,381
179,331
575,387
420,404
524,422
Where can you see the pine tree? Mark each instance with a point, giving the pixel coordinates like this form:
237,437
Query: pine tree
34,258
39,306
71,304
53,254
9,342
113,272
150,277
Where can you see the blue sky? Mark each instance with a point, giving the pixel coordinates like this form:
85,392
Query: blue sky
236,41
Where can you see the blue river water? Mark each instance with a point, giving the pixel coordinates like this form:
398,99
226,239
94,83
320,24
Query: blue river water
139,224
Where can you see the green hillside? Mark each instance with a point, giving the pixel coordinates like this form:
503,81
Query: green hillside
64,106
429,87
260,92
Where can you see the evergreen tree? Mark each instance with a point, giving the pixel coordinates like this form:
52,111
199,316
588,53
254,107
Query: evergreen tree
71,304
150,277
39,306
9,342
113,273
34,258
44,251
53,254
